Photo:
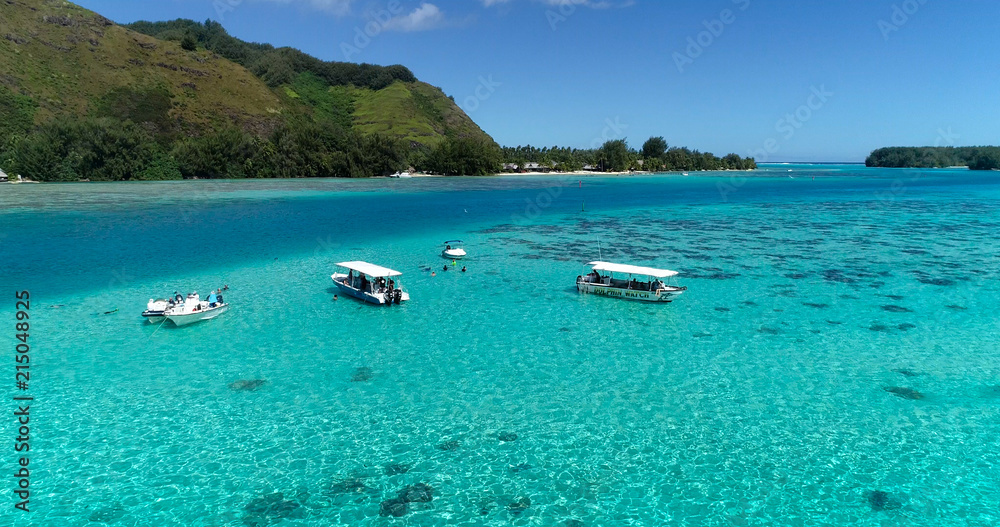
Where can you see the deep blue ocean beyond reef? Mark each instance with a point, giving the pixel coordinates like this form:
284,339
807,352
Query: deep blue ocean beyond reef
835,360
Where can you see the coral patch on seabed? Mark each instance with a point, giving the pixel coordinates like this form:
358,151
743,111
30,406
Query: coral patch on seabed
362,374
349,486
400,505
247,385
267,509
518,507
905,393
392,469
449,445
880,500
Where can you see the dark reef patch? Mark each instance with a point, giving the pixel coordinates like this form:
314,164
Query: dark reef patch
880,500
992,390
518,507
906,373
904,393
362,374
814,305
722,309
896,309
268,508
350,486
836,275
905,326
507,436
247,385
392,469
937,281
394,507
400,505
955,307
416,493
448,446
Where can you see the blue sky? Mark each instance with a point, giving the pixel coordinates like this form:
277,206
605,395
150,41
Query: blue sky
783,80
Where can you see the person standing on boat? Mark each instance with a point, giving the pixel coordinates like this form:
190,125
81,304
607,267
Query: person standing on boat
212,299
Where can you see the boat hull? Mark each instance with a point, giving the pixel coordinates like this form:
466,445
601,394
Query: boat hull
375,298
154,316
455,254
184,319
661,295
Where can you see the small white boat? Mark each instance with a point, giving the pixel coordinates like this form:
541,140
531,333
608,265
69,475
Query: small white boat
453,249
602,281
370,282
401,175
194,309
156,309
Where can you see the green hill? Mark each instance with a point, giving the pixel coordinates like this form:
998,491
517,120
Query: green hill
83,97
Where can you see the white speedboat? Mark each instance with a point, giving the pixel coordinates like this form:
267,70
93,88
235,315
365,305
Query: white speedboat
156,309
194,309
602,281
453,249
401,175
370,282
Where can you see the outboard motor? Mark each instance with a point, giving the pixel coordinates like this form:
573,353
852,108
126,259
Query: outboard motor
397,295
388,296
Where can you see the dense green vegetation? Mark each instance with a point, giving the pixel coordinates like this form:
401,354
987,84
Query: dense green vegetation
974,157
617,156
166,100
110,103
276,66
106,149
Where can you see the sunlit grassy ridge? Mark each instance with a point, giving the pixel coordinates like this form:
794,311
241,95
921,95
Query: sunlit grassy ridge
73,62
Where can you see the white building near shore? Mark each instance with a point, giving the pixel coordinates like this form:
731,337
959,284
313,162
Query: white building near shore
3,175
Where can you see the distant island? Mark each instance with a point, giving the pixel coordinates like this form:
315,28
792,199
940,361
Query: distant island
85,99
974,157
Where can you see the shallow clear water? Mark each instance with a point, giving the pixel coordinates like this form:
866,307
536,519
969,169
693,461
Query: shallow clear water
757,398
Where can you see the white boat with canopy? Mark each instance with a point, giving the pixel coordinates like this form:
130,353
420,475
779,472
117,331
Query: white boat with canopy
370,282
194,309
602,281
453,249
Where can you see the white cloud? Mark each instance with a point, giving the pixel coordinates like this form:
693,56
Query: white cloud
425,17
488,3
336,7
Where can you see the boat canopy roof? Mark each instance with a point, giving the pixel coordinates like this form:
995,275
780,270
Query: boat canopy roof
453,241
375,271
631,269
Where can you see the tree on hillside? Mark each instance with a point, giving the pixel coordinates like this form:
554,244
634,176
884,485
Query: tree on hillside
189,42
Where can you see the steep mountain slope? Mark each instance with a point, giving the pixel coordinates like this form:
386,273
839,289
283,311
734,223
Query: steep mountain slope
197,79
70,61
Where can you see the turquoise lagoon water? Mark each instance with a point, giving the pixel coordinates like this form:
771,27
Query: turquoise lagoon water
757,398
